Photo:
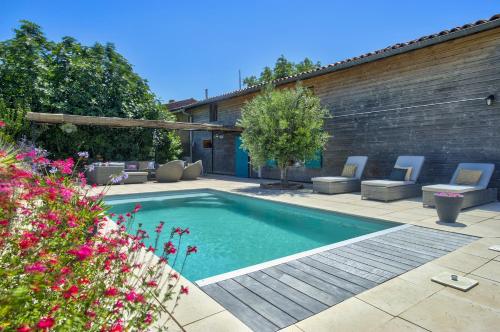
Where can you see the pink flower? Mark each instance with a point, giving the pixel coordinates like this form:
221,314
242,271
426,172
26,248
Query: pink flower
46,323
192,249
112,291
71,292
82,253
24,328
148,319
131,296
36,267
2,124
184,290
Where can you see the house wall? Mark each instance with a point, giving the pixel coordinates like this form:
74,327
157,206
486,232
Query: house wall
445,134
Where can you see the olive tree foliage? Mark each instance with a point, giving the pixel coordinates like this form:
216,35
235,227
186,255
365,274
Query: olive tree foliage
284,125
38,75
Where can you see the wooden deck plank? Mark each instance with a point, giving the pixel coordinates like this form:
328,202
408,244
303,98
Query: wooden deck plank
431,234
439,232
291,293
360,265
339,273
301,286
263,308
339,293
349,269
273,297
368,261
405,245
243,312
327,277
416,256
427,244
386,255
444,241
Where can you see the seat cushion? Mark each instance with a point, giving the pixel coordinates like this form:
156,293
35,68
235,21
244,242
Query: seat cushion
408,169
349,170
468,177
398,174
449,188
331,179
386,183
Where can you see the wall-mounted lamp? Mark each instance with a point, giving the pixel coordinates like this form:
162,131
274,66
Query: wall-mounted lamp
490,99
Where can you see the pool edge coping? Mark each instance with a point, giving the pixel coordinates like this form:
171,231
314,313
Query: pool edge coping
302,254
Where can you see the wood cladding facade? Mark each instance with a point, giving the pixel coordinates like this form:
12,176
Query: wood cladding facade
452,128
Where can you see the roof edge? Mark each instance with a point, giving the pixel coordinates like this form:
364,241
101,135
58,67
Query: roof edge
393,50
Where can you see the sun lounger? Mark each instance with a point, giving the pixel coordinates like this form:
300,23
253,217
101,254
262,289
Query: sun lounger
391,190
474,194
342,184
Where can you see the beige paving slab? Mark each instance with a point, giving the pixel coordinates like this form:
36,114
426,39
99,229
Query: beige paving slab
486,293
480,248
461,261
443,313
398,325
421,276
388,296
291,328
221,322
487,228
491,271
352,315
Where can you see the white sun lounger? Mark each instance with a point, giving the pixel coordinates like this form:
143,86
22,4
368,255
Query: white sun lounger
473,195
340,184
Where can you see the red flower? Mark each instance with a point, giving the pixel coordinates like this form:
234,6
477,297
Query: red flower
82,252
2,124
24,328
192,249
184,290
46,323
112,291
71,292
36,267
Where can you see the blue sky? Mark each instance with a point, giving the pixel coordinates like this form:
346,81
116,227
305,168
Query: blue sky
183,47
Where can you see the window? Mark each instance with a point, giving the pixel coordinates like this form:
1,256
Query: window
213,112
207,144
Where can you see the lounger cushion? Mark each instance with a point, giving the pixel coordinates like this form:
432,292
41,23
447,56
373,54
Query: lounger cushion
468,177
386,183
448,188
331,179
349,170
408,169
398,174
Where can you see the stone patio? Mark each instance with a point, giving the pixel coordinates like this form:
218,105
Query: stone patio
408,302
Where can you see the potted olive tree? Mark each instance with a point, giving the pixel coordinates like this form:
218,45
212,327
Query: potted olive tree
285,126
448,206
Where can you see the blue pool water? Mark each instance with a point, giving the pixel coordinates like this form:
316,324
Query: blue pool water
234,231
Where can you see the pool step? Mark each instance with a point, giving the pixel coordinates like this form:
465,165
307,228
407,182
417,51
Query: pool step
278,296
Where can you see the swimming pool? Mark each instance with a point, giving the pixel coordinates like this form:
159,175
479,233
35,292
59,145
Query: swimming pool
234,231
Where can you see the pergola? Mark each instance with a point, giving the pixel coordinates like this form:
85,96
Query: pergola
113,122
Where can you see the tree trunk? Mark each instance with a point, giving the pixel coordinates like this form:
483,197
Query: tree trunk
284,176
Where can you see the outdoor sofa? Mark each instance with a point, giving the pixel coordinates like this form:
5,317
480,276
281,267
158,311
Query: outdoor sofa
474,193
170,172
192,171
349,181
392,189
101,173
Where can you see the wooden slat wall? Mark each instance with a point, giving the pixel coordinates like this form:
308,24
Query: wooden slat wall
464,68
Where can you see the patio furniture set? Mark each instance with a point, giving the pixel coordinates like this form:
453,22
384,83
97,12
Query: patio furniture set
142,171
470,180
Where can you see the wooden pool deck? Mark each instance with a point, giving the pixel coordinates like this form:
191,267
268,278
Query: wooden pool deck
278,296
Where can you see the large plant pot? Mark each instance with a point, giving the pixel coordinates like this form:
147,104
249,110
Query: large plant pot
448,208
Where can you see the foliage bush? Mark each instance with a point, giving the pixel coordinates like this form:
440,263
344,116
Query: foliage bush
284,126
64,265
38,75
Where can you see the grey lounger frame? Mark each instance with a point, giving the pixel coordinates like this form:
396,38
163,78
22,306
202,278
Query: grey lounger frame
394,191
478,195
338,184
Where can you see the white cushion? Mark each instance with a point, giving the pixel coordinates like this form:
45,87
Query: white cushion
330,179
386,183
449,188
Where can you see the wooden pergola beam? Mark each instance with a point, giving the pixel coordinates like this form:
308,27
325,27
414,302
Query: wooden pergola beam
125,122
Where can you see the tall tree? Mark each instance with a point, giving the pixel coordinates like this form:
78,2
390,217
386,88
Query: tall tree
283,125
38,75
282,68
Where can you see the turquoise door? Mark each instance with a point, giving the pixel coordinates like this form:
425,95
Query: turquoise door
241,160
